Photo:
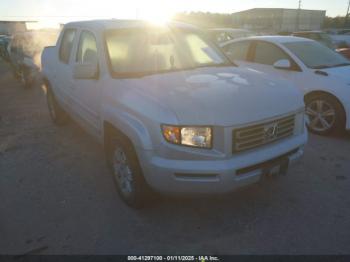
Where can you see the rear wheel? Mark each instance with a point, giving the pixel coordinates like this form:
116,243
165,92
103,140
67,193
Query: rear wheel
57,114
325,114
127,173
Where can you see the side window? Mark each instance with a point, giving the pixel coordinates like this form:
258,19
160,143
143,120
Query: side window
268,54
66,45
238,51
87,49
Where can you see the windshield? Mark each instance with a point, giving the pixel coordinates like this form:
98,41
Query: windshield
141,51
315,55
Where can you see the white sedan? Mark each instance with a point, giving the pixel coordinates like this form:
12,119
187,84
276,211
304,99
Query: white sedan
319,72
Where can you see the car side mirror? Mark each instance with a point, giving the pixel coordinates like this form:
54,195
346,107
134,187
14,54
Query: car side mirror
283,64
85,71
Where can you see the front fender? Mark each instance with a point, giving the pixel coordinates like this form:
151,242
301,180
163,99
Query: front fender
130,126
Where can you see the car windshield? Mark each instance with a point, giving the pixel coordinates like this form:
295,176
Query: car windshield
315,55
142,51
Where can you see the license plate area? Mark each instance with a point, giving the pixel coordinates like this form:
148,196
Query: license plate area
276,168
265,167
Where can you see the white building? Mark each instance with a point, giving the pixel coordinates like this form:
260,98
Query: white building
275,20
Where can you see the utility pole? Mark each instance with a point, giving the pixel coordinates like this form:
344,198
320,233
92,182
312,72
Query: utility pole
347,15
298,16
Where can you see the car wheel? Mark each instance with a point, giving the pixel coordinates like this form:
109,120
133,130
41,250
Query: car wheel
127,173
57,114
324,114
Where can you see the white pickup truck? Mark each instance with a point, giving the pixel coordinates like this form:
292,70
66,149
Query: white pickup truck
174,115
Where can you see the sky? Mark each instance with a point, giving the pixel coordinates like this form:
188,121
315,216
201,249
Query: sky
69,10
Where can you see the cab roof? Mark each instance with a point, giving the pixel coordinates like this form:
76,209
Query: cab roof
117,24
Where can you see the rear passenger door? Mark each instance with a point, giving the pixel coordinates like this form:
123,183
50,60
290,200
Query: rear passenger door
63,75
88,92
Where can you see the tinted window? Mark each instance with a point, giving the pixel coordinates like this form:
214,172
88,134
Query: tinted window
238,51
67,45
87,50
268,54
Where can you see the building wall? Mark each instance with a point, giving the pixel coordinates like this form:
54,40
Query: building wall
258,19
297,20
279,20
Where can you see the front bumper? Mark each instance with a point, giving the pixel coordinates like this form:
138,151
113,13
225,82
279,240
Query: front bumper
216,176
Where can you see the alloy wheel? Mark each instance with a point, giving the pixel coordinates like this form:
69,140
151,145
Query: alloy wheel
122,172
321,115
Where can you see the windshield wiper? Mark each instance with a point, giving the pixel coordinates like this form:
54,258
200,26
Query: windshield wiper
330,66
343,64
322,66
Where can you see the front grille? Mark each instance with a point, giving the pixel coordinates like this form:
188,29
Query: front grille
257,135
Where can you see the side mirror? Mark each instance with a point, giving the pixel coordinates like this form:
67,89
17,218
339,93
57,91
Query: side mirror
85,71
283,64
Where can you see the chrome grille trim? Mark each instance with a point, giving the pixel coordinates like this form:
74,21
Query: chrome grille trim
250,137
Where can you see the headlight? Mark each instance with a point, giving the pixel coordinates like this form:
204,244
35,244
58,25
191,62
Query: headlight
188,136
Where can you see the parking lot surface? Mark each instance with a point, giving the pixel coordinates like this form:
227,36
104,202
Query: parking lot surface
58,197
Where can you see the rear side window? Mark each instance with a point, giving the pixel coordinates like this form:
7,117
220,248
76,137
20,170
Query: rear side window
87,50
238,51
67,45
268,54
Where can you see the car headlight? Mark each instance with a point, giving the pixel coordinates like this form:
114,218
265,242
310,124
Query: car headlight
188,135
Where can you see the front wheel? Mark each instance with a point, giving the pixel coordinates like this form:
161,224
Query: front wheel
325,114
127,172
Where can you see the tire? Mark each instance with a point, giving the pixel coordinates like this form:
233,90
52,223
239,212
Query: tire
57,114
127,173
325,114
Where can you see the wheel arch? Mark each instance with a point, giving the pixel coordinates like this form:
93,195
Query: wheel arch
110,130
127,131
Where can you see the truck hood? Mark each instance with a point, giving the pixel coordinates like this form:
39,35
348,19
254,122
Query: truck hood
223,96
